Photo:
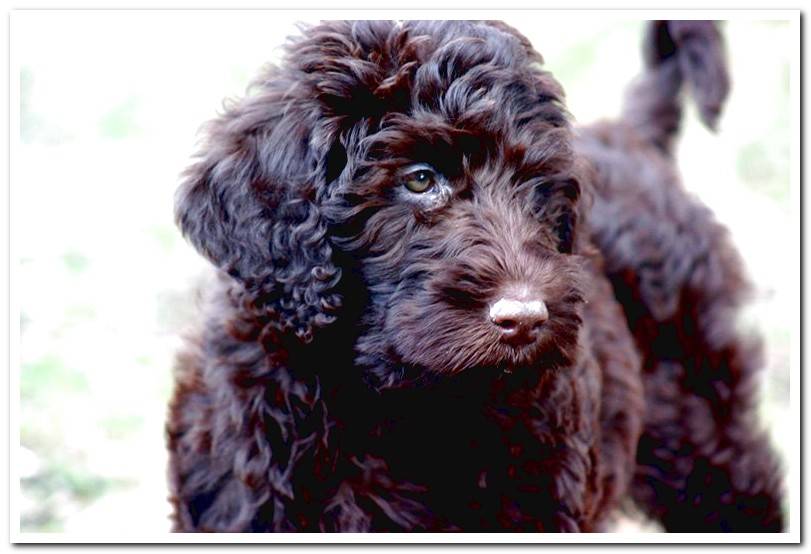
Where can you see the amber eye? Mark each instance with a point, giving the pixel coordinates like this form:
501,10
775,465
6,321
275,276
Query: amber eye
420,180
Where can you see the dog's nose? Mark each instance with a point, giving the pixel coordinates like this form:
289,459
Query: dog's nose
519,321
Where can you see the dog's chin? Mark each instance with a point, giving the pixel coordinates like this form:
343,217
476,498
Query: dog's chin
503,364
550,353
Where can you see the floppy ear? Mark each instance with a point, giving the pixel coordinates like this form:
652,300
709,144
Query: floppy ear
564,201
583,179
250,204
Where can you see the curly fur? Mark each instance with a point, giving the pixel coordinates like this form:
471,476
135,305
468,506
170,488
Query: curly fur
346,377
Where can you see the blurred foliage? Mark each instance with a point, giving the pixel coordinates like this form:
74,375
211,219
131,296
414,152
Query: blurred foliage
76,261
121,121
763,163
35,126
49,376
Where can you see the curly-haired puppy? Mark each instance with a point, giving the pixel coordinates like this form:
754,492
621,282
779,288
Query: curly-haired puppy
441,308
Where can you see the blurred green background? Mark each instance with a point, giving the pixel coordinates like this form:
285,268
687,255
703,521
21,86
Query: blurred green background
109,106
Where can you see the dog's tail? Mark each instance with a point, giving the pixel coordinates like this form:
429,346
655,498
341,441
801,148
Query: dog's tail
675,54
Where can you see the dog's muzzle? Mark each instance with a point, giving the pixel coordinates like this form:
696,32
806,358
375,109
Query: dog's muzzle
519,318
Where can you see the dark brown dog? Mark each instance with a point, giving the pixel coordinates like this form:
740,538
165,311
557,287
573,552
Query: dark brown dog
417,325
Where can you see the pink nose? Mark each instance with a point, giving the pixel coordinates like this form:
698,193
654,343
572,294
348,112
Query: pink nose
519,321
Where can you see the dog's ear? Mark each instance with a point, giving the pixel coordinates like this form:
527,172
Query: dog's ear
559,204
251,204
575,225
563,200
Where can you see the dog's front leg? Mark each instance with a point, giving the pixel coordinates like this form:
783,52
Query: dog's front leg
552,478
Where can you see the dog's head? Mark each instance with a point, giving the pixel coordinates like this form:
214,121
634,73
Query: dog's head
432,161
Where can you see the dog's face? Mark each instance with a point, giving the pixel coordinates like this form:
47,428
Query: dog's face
436,158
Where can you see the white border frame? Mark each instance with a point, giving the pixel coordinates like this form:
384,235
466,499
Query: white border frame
794,492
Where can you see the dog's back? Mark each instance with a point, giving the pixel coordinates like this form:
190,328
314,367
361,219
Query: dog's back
703,463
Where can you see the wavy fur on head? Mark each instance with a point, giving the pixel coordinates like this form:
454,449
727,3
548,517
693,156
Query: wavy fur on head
348,377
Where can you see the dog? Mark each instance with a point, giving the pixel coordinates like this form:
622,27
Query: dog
441,307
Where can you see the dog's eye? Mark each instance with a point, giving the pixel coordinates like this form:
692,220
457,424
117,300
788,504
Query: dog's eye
419,180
